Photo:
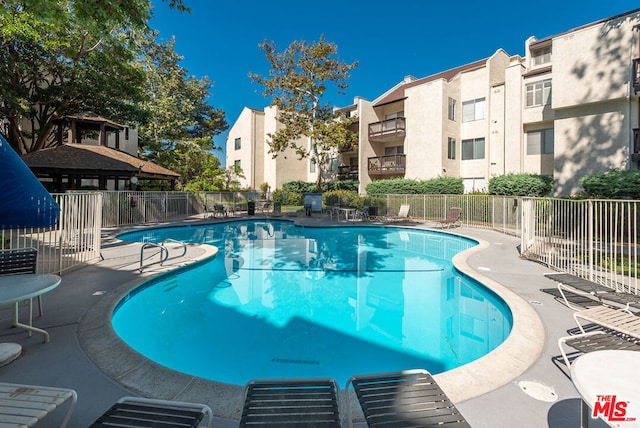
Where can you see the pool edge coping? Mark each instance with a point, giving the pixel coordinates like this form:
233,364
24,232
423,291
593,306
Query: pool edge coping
522,348
122,364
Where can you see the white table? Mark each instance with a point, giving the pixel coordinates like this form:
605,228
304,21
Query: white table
604,376
18,288
348,212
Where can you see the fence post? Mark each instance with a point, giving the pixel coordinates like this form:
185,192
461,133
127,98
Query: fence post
590,232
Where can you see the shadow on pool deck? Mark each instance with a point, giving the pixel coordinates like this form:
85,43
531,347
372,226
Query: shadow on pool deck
74,315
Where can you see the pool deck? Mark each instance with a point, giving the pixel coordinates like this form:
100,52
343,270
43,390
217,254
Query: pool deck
520,384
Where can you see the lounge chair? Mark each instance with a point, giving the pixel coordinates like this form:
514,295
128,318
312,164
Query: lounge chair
452,219
291,402
266,207
616,329
147,412
595,291
26,405
598,340
409,398
403,214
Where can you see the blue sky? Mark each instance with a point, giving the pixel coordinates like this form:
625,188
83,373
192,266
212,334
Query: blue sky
389,40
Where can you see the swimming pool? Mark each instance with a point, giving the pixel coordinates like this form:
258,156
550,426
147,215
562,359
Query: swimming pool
286,301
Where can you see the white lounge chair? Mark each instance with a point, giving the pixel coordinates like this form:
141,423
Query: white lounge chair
26,405
616,329
403,214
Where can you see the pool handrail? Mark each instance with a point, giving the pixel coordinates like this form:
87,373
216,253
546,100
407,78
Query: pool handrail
164,253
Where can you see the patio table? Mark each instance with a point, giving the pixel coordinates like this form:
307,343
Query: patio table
609,384
18,288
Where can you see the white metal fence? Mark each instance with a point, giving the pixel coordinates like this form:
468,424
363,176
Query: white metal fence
121,208
592,239
73,241
478,211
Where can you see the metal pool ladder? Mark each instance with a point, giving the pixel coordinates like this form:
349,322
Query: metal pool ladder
164,252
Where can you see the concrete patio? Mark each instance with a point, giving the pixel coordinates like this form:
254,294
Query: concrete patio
80,357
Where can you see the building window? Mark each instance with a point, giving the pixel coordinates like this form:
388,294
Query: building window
539,93
451,148
393,150
394,115
473,110
540,142
541,56
312,166
452,109
237,144
126,133
473,149
236,165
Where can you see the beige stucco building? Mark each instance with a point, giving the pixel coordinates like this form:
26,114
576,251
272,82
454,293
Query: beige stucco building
568,108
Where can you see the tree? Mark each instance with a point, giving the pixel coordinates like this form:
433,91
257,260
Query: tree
62,57
179,134
296,84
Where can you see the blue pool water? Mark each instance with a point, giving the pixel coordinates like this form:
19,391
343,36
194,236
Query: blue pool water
285,301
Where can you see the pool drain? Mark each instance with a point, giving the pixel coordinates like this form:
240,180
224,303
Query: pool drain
538,391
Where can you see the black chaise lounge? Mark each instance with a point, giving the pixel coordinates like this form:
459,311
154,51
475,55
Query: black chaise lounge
291,403
409,398
149,413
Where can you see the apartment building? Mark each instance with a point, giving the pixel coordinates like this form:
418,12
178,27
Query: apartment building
568,108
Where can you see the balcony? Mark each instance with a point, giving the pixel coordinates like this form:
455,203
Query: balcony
348,172
390,165
387,130
636,75
349,149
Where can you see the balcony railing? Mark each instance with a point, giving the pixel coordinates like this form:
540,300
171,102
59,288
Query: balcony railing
387,130
349,149
387,165
348,172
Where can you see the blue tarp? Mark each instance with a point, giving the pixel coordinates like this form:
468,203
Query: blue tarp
24,202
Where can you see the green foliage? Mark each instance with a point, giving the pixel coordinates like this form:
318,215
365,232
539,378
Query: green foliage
66,57
286,197
299,187
345,198
521,185
402,186
326,186
264,189
613,184
296,84
177,104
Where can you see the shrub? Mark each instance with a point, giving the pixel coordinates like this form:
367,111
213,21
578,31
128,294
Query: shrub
303,187
402,186
299,187
346,198
521,185
293,198
613,184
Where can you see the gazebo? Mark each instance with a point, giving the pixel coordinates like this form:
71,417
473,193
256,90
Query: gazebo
65,167
77,164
